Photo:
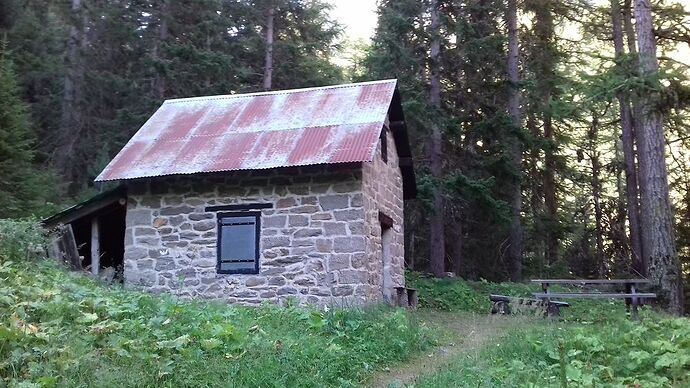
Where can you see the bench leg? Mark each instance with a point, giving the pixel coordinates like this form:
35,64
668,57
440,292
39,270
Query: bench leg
633,313
501,308
635,301
412,299
553,310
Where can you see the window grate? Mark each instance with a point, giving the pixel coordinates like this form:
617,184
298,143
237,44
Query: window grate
238,242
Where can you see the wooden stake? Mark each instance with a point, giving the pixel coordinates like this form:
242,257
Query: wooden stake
95,248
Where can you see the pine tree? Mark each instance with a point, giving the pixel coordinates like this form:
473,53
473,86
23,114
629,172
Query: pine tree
23,188
658,246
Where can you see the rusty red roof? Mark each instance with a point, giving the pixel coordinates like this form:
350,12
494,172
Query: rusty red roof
324,125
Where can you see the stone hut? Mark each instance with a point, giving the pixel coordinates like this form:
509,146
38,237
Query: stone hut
267,196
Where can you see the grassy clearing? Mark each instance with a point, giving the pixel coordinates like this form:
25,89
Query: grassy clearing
593,344
654,353
63,329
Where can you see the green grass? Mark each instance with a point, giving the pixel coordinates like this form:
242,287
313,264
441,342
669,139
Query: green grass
62,329
621,353
594,343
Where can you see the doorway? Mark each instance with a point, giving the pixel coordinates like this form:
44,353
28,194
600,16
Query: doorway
386,240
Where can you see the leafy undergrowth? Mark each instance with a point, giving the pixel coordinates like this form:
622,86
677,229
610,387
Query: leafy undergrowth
594,343
62,329
620,353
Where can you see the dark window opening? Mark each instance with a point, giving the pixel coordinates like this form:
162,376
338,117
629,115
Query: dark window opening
384,146
238,243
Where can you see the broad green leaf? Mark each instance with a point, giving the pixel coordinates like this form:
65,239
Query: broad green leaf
87,318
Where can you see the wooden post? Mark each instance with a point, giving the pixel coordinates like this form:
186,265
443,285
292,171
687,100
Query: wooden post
635,301
95,248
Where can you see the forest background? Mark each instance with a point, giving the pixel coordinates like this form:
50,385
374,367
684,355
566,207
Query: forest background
551,137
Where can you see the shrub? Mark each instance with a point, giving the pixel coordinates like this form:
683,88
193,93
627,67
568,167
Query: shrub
21,240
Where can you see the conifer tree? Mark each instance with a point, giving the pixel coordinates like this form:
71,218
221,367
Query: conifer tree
658,246
22,186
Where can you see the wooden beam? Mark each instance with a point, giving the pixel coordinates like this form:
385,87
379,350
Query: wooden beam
593,296
75,212
95,247
591,281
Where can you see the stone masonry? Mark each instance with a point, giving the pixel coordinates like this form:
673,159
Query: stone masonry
320,243
383,193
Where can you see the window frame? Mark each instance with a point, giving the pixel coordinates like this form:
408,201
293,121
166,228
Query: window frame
257,239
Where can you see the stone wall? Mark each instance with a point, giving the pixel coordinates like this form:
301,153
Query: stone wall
382,189
313,244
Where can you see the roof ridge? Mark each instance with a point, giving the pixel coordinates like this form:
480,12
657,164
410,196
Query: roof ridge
277,92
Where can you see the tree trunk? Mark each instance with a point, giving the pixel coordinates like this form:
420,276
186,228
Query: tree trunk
628,125
536,195
628,147
544,31
596,195
515,148
70,119
159,80
658,246
629,27
438,254
268,61
623,255
458,262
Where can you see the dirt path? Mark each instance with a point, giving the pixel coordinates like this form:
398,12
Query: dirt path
463,334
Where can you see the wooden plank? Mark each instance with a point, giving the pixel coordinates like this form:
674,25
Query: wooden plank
592,295
504,298
69,247
591,281
95,247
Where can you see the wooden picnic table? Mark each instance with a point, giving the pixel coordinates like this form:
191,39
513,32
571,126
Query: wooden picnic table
631,296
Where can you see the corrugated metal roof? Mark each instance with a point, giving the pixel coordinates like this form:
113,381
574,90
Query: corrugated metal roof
324,125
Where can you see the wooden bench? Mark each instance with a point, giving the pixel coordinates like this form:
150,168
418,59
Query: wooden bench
500,304
631,296
405,297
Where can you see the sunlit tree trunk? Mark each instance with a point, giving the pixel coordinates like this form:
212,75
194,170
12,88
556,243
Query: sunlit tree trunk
268,61
628,146
658,246
159,82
